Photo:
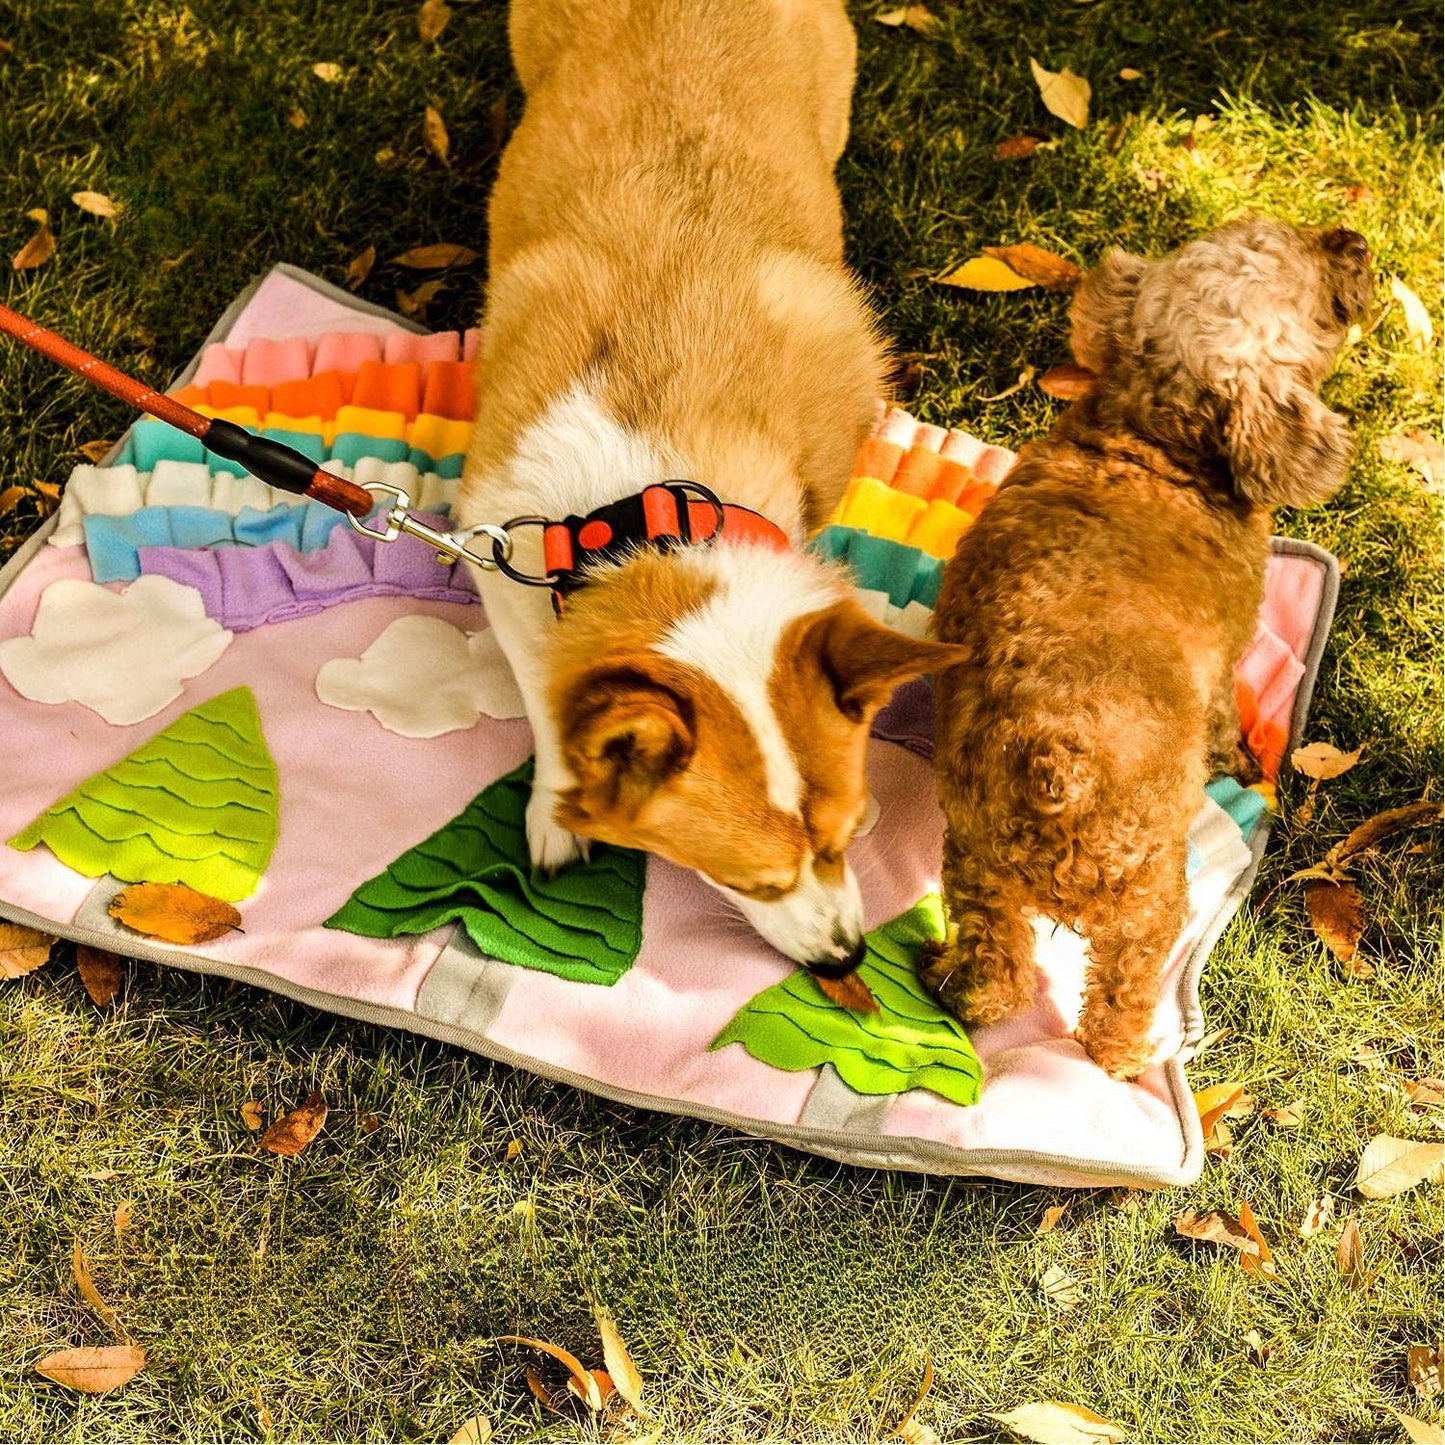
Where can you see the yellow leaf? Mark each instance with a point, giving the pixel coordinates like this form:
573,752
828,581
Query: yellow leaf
1216,1227
915,17
1061,1288
1417,319
1129,73
1051,1422
95,204
1065,94
173,913
297,118
91,1295
1418,449
1261,1262
292,1132
434,134
414,303
94,452
1422,1363
986,273
1052,1215
1390,1166
477,1431
1420,1431
93,1371
253,1116
11,498
1213,1102
625,1376
432,19
1320,760
359,267
327,70
100,973
907,1431
39,248
587,1387
22,950
1033,263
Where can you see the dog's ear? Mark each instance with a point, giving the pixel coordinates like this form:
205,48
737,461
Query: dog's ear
1285,450
624,733
1100,318
863,661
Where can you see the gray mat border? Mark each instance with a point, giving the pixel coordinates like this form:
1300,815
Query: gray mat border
849,1146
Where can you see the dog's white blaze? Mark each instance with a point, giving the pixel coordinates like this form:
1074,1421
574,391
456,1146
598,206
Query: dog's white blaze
733,639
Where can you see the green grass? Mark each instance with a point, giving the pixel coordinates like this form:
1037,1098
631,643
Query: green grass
766,1295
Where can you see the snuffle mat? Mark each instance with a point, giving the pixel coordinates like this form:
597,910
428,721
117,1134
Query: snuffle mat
215,684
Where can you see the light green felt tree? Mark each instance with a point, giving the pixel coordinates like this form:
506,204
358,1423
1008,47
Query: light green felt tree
194,805
910,1043
584,923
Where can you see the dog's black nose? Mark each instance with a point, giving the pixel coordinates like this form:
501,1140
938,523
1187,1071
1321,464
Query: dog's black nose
1342,242
837,965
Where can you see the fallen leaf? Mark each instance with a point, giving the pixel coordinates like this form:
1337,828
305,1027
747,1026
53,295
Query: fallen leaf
39,248
1317,1216
906,1430
1219,1141
1337,915
1067,383
1054,273
1129,73
435,258
1350,1258
477,1430
415,303
1024,377
49,493
292,1132
1019,147
94,452
1417,319
123,1212
1357,193
497,122
1263,1262
985,273
1288,1117
93,1370
327,70
1419,1430
370,1123
22,950
848,992
1320,760
431,20
601,1381
297,118
514,1148
11,498
1390,1166
587,1385
1213,1102
91,1295
1209,1041
95,204
1374,831
1052,1215
1060,1287
253,1115
1259,1352
173,913
100,973
1051,1422
1065,94
915,17
263,1414
434,134
359,267
623,1373
1418,449
540,1392
1216,1227
1425,1094
1422,1363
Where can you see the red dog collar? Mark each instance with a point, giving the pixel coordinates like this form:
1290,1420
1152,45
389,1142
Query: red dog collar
666,516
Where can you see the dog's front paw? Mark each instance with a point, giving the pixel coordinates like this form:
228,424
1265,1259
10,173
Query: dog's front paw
952,975
551,845
1119,1056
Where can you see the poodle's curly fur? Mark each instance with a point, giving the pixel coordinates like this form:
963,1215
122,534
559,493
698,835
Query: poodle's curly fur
1104,596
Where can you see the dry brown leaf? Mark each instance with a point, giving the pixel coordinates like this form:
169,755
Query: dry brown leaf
914,17
620,1368
435,258
1219,1141
1418,325
49,494
93,1370
370,1123
1066,383
540,1392
497,122
414,303
1418,449
906,1430
432,19
39,248
1423,1366
1425,1094
95,204
123,1212
297,118
1288,1117
1052,1422
1033,263
1060,1287
1024,377
1337,915
1419,1430
985,273
292,1132
848,992
327,70
514,1148
586,1384
1374,831
1320,760
477,1430
22,950
359,267
91,1295
434,134
94,452
601,1381
1390,1166
1129,73
11,498
1263,1261
173,913
1317,1216
253,1115
1216,1227
1052,1215
100,973
1019,147
1350,1258
1065,94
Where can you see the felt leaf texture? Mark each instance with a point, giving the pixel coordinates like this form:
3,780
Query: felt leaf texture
96,204
1054,273
1322,761
1337,915
434,134
623,1373
584,923
1417,319
1064,94
99,971
22,950
587,1386
92,1370
1420,1431
1390,1166
39,248
1052,1422
1216,1227
435,258
196,805
910,1043
173,913
986,273
849,992
1417,449
1067,382
292,1132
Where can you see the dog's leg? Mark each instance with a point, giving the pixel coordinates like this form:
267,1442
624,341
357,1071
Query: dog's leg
1131,933
1227,752
985,971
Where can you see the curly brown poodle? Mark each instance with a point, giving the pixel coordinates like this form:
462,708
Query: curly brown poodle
1104,596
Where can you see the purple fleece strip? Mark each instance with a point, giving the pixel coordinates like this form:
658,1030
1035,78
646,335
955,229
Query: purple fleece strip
908,720
245,587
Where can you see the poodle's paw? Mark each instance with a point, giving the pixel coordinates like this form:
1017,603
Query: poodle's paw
1120,1056
954,979
551,845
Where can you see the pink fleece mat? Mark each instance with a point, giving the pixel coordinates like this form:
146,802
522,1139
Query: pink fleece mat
353,794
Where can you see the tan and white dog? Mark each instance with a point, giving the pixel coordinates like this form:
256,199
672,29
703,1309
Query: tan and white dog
667,299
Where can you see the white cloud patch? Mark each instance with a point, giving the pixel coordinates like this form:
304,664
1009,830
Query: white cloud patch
423,677
122,654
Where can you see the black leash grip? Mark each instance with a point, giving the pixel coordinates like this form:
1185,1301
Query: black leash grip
266,459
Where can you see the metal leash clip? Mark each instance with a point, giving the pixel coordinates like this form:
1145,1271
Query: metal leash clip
449,546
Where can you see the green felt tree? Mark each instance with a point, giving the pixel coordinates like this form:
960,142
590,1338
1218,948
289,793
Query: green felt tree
194,805
584,923
910,1043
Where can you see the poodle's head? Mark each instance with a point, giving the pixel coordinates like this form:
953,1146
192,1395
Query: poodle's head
1221,347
